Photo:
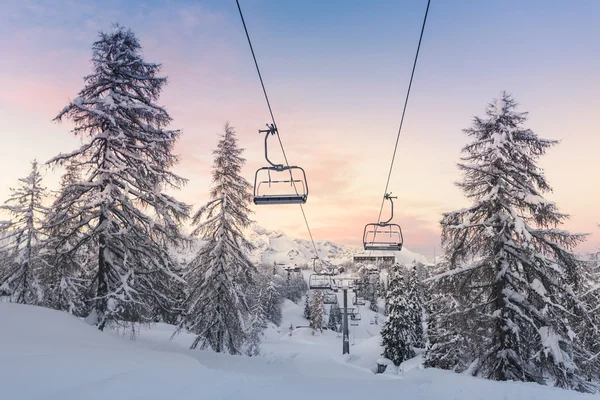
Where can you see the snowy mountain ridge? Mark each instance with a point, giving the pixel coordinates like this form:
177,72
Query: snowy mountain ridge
276,246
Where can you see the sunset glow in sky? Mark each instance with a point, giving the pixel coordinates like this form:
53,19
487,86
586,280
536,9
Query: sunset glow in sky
336,72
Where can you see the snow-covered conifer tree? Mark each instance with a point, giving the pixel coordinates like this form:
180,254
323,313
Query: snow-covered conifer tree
306,311
317,311
21,258
399,330
515,269
267,292
295,287
335,318
67,278
414,293
445,347
221,274
119,205
373,302
256,325
272,301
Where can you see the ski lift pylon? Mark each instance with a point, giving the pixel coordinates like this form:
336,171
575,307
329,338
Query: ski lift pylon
264,184
383,235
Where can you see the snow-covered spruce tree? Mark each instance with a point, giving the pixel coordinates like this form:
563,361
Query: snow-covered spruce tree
373,302
331,320
272,301
306,312
267,292
589,334
399,330
221,275
67,277
22,248
335,318
295,287
317,311
119,207
515,269
414,292
445,347
256,326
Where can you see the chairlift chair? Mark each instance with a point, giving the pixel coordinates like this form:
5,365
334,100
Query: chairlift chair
383,235
319,282
355,317
268,190
330,298
358,301
289,268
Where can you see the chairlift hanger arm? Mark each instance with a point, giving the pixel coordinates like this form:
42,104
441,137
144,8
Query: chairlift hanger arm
271,131
389,197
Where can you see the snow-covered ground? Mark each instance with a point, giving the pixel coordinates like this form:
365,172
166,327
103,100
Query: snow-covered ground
46,354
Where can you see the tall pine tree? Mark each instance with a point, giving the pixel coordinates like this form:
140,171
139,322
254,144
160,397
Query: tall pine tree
515,269
119,206
398,332
21,258
221,274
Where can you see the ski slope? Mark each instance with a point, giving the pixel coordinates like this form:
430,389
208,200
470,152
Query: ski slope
47,354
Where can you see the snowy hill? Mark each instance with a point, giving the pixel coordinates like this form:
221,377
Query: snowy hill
276,246
47,354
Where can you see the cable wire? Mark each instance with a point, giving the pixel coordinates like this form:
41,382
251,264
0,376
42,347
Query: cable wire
262,83
412,74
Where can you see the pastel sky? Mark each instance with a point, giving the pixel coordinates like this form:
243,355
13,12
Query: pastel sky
336,72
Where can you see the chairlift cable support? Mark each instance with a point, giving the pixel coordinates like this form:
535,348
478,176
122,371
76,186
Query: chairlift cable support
275,124
412,74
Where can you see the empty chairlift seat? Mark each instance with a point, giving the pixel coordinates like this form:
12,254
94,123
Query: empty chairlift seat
358,301
279,184
383,235
319,282
330,298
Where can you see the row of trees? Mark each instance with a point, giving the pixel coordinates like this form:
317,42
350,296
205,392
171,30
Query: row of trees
104,246
511,299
